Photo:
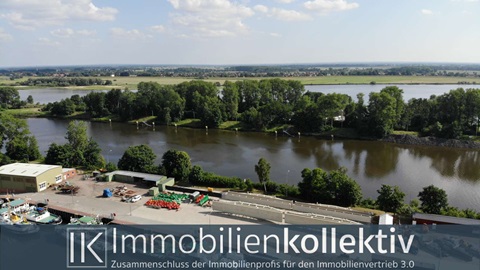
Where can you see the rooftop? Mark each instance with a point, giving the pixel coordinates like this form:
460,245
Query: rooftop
144,176
26,169
446,219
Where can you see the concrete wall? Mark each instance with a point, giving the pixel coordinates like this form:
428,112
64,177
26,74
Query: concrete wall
258,199
254,211
321,209
333,211
292,218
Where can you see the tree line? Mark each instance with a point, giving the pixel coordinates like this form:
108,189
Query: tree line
273,103
458,70
64,81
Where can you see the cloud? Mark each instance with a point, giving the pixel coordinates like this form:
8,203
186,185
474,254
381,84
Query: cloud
289,15
68,32
158,28
426,12
4,36
85,32
133,34
285,1
31,14
48,42
261,8
327,6
275,35
209,18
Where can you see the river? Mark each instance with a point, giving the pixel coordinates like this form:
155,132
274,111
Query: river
370,163
45,95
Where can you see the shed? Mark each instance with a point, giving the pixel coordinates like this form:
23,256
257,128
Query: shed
134,177
386,219
163,183
153,191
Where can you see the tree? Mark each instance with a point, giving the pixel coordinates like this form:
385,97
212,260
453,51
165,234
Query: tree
9,97
177,164
30,99
433,199
230,98
15,136
77,134
138,158
110,167
78,151
334,187
382,114
263,171
390,199
59,155
397,94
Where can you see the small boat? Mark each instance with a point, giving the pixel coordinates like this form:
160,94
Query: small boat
41,215
85,220
16,224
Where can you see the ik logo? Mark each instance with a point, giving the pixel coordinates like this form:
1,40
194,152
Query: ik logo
86,247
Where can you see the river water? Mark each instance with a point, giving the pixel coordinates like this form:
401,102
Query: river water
45,95
370,163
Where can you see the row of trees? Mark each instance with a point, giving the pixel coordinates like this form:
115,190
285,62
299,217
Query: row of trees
273,103
470,70
64,81
432,200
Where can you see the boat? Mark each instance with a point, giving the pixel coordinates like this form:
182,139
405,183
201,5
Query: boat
41,215
85,220
16,224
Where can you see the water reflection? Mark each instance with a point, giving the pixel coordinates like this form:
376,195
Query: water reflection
370,163
451,163
381,160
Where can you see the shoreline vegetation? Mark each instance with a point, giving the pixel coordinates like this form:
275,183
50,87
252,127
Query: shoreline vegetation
131,82
275,106
397,137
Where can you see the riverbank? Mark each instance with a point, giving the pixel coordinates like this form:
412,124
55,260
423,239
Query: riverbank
237,126
132,82
431,141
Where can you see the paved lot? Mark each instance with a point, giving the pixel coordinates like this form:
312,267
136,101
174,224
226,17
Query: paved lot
89,200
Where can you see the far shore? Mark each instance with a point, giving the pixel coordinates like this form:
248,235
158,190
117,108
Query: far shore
132,82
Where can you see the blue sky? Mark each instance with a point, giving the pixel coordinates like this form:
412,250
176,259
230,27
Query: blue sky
84,32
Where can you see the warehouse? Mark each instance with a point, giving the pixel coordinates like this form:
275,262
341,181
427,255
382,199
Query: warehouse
25,177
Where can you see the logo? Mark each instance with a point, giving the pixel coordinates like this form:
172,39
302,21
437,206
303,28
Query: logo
87,247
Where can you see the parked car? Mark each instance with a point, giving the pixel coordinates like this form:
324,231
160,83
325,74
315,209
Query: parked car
135,198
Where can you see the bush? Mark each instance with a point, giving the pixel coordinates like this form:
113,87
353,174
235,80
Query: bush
198,177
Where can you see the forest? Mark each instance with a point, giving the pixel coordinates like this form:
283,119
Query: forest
283,104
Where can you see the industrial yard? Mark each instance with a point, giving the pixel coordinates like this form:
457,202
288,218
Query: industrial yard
89,199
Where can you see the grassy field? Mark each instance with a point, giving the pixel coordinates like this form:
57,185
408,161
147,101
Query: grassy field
131,82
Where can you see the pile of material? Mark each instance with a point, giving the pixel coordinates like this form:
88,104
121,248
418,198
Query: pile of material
167,200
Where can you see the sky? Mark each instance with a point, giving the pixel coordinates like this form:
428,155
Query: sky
237,32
